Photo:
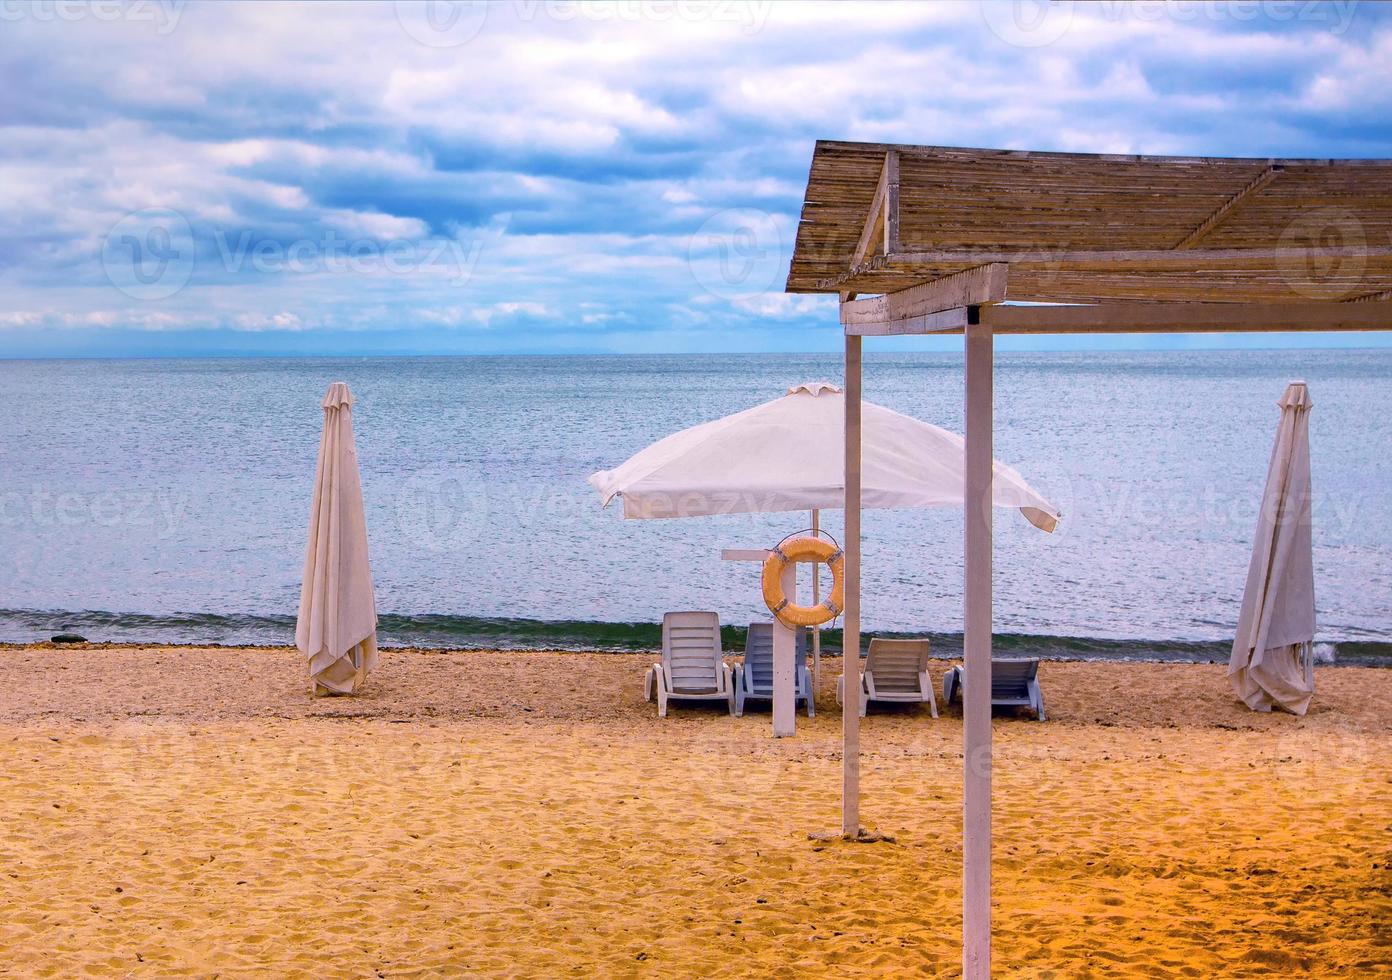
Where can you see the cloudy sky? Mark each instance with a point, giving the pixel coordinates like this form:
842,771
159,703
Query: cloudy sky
553,176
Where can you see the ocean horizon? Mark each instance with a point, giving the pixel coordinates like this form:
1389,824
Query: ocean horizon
165,500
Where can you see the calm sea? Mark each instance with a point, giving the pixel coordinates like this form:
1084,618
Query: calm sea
166,500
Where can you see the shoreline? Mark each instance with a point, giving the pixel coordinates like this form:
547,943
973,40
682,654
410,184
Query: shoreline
944,647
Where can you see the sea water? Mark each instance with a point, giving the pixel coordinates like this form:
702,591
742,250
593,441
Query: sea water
167,500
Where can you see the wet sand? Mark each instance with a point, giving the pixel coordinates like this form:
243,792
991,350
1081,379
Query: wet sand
193,811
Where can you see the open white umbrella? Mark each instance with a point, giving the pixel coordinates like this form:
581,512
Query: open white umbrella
1272,663
337,625
788,454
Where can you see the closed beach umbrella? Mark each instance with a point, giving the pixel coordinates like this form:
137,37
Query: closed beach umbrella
787,454
337,625
1271,661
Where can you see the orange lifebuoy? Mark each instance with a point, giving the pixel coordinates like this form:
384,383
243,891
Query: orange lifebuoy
800,549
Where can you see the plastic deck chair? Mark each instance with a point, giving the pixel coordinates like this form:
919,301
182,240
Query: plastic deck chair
754,677
896,670
1014,683
692,666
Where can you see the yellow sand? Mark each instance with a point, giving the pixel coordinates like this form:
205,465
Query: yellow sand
170,811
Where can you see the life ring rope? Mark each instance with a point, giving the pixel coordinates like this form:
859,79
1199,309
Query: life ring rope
801,549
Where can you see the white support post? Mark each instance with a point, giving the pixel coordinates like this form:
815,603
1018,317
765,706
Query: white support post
976,754
816,600
850,647
784,667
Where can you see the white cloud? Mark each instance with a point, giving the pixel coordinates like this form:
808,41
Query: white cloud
369,224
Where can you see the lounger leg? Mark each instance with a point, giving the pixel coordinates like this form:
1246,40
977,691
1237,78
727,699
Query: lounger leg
1037,695
661,701
648,685
927,685
739,692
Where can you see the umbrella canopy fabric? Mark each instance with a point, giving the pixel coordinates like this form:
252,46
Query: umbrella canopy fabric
1278,604
787,455
337,625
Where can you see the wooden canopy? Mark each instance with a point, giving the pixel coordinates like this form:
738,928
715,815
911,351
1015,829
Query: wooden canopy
982,242
1294,236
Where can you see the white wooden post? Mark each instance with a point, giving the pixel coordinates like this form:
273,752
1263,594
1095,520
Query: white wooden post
850,647
784,663
976,777
816,600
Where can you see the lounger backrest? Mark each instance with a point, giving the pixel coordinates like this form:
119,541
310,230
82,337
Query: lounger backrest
1010,678
758,655
896,664
691,650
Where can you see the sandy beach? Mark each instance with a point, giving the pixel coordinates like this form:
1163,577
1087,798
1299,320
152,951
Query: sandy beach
194,811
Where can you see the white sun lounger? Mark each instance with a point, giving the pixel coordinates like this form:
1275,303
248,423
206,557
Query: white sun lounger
754,677
895,670
1014,683
692,666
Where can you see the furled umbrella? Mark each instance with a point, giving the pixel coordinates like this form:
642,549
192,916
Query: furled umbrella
1272,661
337,624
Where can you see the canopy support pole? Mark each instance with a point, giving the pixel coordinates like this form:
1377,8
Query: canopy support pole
976,754
816,600
850,646
784,663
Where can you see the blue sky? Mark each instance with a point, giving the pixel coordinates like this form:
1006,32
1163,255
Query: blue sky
546,176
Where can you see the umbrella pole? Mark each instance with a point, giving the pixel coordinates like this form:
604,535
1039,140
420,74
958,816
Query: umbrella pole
850,644
816,599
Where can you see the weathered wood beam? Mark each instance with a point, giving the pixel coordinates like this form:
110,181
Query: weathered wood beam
1045,156
1229,207
1188,317
1151,258
876,227
971,287
943,321
877,223
1141,260
891,203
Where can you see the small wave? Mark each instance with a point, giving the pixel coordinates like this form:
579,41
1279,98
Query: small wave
442,631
